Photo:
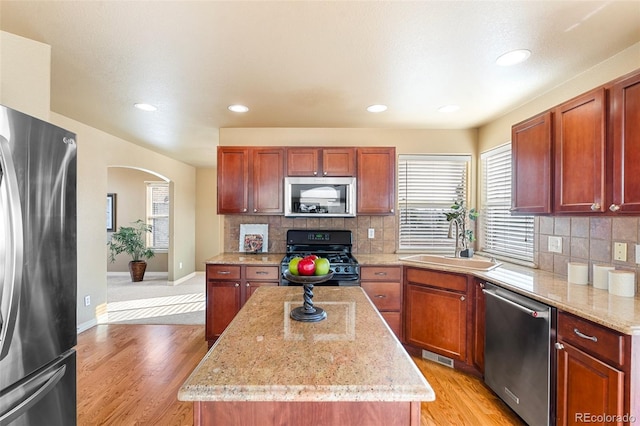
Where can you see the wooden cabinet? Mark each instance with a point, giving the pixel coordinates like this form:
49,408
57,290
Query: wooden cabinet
436,312
383,285
593,365
580,154
250,180
376,181
625,132
321,162
531,158
228,289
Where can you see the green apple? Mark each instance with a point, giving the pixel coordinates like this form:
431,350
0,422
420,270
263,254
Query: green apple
293,265
322,266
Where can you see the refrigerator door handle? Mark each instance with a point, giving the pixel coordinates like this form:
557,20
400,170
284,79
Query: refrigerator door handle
11,247
50,380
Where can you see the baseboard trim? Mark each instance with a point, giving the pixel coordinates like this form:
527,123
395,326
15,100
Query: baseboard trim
181,280
87,325
122,274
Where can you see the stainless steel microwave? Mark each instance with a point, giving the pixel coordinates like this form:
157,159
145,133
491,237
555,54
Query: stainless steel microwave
320,196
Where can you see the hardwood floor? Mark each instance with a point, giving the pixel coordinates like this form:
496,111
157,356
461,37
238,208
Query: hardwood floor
130,375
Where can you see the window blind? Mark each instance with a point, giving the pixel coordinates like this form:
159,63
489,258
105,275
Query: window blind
158,215
428,185
501,233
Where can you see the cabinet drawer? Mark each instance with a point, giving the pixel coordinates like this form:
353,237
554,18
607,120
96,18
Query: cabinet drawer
437,279
263,273
385,295
600,341
380,273
223,272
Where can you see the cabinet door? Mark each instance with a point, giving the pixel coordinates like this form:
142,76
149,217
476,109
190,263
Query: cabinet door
531,162
303,162
252,286
436,320
223,303
478,326
233,180
376,181
580,155
268,180
338,162
586,386
625,114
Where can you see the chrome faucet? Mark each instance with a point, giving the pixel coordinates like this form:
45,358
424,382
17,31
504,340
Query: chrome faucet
457,250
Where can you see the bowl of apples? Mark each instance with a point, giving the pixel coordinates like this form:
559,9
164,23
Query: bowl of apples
310,269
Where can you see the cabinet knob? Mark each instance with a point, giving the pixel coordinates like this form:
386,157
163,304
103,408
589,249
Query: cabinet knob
614,207
255,210
559,346
392,211
236,285
244,210
595,207
248,285
315,173
325,173
462,298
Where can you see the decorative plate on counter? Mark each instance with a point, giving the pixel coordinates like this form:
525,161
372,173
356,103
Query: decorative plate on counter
307,279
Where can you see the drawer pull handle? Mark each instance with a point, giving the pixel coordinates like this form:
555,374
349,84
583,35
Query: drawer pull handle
380,273
224,272
380,296
584,336
261,272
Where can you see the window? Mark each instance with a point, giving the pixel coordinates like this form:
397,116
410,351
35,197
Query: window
428,185
158,215
501,233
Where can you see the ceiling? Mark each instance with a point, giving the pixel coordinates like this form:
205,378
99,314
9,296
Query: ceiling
307,63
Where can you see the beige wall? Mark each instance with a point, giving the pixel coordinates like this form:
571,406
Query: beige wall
130,188
208,222
96,152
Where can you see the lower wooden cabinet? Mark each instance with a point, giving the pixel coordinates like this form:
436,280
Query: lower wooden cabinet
593,367
436,312
228,288
383,286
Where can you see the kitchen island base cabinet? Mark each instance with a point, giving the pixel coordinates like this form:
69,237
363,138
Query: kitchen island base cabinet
320,413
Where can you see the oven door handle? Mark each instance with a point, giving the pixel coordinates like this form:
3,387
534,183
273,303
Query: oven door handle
533,313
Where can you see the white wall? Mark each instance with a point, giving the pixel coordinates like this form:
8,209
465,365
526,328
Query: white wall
25,86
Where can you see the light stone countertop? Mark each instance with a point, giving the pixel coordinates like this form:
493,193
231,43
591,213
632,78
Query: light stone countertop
616,312
264,355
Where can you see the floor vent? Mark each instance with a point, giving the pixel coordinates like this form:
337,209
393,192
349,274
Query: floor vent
437,358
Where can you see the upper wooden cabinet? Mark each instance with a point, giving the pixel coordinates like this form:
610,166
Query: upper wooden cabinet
321,162
531,157
376,181
625,121
250,180
580,153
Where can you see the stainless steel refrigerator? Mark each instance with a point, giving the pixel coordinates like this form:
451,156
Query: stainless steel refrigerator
37,272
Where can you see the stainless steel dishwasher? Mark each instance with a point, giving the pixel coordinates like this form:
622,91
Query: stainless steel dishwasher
518,355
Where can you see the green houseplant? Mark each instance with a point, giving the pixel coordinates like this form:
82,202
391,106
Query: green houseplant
131,240
457,219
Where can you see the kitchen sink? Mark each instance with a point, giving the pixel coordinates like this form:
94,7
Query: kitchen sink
474,263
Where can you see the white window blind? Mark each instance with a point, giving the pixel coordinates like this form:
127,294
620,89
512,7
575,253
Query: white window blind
501,233
158,215
428,185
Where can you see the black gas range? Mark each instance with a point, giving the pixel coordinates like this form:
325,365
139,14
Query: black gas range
335,245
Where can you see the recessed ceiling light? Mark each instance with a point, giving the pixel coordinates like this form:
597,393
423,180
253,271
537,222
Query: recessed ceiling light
146,107
377,108
449,108
238,108
513,57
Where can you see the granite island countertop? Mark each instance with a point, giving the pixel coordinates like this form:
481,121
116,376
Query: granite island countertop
616,312
264,355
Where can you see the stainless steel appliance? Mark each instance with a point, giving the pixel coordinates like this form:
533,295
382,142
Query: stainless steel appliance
320,196
334,245
518,356
37,272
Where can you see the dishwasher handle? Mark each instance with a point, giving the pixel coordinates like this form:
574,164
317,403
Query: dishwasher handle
533,313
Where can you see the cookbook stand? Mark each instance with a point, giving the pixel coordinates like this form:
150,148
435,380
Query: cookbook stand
307,312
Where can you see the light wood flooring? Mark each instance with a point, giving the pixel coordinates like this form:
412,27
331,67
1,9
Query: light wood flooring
130,375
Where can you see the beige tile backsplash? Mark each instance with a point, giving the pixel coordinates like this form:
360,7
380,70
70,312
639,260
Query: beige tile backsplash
589,240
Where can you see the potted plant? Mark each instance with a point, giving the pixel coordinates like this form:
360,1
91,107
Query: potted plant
131,240
457,219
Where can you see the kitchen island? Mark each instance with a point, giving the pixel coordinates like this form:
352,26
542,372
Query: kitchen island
267,369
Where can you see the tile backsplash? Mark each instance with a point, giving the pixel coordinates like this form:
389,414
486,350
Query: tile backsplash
589,240
383,242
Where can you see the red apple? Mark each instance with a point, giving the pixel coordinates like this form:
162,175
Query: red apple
306,266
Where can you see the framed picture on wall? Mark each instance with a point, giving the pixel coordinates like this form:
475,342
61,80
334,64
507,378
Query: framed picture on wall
111,212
